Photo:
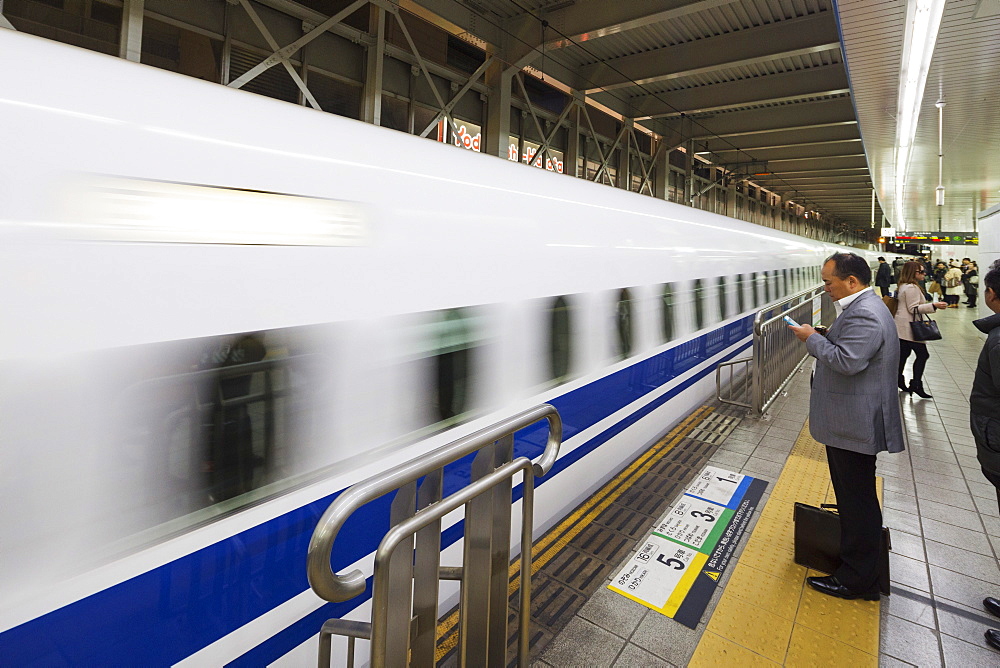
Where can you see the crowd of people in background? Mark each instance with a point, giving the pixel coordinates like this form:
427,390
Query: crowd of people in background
941,281
922,287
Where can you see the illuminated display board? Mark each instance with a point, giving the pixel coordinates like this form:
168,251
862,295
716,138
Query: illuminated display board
951,238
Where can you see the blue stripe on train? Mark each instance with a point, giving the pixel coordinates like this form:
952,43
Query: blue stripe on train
179,608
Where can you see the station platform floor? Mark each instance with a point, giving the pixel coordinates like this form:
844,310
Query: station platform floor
941,511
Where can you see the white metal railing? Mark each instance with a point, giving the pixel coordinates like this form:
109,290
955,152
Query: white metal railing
755,382
404,618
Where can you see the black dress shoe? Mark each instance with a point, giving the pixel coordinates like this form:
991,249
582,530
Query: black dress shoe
831,585
993,638
992,606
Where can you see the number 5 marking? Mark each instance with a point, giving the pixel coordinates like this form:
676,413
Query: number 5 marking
676,564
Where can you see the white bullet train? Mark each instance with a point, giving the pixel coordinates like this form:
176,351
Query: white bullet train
218,310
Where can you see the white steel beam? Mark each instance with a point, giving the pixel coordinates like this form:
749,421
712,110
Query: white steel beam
796,37
587,20
787,86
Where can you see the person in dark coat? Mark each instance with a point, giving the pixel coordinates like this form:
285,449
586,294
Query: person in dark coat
984,409
970,279
883,278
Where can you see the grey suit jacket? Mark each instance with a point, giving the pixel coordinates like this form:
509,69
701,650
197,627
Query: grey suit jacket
854,403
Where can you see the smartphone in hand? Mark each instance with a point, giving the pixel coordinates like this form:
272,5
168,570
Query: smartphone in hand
791,322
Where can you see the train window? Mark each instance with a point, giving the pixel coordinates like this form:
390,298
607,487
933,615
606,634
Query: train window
453,362
753,290
721,286
776,283
205,421
788,285
741,304
668,311
767,287
560,331
699,304
623,319
229,463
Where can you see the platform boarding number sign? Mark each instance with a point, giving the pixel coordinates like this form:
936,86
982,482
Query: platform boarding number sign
668,563
655,572
691,521
716,485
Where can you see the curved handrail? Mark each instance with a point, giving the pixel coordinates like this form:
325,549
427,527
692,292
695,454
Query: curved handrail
409,526
335,587
759,321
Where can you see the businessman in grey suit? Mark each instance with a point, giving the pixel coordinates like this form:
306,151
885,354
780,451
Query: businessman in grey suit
854,412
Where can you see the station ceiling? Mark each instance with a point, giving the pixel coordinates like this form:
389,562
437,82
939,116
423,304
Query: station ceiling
761,86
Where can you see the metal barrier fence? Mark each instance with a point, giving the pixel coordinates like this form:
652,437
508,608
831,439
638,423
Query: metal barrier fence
408,560
755,382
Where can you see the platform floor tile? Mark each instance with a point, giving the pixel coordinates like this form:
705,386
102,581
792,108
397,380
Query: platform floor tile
715,651
811,649
803,627
749,626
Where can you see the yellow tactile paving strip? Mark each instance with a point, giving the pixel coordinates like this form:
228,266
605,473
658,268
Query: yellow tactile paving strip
767,615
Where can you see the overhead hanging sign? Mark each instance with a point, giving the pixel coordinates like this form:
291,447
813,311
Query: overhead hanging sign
950,238
677,568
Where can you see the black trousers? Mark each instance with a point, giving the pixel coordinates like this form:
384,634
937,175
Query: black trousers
853,476
995,479
920,349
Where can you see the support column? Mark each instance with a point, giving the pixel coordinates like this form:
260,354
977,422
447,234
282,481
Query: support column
731,199
498,82
571,156
499,79
625,157
689,173
371,103
4,23
227,45
130,40
661,176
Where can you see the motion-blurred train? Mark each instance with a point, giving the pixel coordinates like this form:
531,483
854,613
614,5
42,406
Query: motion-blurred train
219,310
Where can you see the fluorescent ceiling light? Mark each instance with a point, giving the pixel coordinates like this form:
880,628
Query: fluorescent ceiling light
923,18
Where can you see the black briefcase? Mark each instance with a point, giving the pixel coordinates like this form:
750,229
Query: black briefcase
817,541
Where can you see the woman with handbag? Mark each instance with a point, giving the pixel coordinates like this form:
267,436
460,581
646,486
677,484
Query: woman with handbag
911,306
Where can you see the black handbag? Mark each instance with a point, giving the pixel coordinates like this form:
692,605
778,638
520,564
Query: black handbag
817,542
923,328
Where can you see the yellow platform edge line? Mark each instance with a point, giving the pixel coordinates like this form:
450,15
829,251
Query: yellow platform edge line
549,545
803,479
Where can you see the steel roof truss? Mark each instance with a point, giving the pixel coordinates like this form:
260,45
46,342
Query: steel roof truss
282,54
820,113
809,34
813,82
446,111
587,20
